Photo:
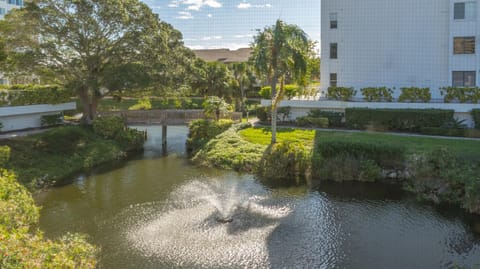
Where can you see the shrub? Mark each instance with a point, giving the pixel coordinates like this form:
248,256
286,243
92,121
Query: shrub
143,103
283,113
413,94
23,246
441,131
202,131
290,91
396,119
4,155
109,127
380,94
341,93
216,107
461,94
49,120
1,126
384,155
347,168
334,118
19,95
312,122
285,160
264,114
476,117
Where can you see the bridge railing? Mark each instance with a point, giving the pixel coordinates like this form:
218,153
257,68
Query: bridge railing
164,117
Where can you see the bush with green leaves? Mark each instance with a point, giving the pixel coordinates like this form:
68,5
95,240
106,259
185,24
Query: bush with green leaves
228,150
4,155
286,160
334,118
49,120
379,94
411,120
202,131
307,121
290,91
476,117
143,103
441,176
22,244
264,114
414,94
346,168
461,94
109,127
20,95
341,93
216,107
384,155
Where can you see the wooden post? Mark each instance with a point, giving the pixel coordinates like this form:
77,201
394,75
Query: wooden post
164,136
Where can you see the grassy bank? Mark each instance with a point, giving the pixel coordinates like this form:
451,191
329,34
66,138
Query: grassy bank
43,159
22,245
442,170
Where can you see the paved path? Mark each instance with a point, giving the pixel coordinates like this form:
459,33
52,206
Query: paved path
22,133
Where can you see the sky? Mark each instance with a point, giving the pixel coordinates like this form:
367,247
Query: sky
208,24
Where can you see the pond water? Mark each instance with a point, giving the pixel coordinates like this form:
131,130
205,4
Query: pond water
161,212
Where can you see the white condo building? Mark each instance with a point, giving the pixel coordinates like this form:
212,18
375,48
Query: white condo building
400,43
5,7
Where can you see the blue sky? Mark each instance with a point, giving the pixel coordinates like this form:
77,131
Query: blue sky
232,23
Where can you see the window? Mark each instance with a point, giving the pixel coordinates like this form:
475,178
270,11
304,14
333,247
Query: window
333,21
333,79
465,11
2,11
464,45
463,79
333,51
19,3
11,2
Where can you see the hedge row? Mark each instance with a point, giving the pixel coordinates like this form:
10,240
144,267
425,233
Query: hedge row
411,120
18,95
290,91
202,131
476,117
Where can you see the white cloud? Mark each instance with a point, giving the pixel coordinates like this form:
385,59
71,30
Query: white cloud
196,4
212,37
246,5
243,36
184,15
209,15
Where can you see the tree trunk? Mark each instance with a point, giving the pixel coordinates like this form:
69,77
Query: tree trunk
90,104
274,109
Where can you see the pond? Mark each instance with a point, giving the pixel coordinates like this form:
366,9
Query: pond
159,211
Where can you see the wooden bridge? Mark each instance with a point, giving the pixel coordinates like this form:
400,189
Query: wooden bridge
164,117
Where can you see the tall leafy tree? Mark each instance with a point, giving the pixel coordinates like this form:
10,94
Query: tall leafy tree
243,78
279,51
211,79
94,47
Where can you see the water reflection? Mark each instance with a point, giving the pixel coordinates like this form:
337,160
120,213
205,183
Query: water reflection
160,212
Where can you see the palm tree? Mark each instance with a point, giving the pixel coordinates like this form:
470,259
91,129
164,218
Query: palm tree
278,51
242,78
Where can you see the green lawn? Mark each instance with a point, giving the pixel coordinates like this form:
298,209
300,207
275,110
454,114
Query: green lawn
465,148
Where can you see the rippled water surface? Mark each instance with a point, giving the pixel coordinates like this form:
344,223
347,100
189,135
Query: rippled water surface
162,212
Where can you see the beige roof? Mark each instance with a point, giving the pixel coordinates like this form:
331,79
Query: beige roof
224,55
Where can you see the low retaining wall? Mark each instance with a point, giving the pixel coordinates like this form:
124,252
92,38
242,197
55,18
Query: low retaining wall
25,117
301,108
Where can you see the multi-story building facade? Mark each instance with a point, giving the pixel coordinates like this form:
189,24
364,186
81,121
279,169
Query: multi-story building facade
5,7
392,43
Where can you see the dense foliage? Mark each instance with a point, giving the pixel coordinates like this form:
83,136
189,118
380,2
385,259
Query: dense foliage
461,94
411,120
22,244
341,93
43,159
202,131
49,120
4,155
95,48
19,95
315,122
476,117
291,90
334,118
413,94
216,107
380,94
143,103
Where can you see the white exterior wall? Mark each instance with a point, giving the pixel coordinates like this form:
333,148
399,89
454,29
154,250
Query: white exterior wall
26,117
4,4
395,43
